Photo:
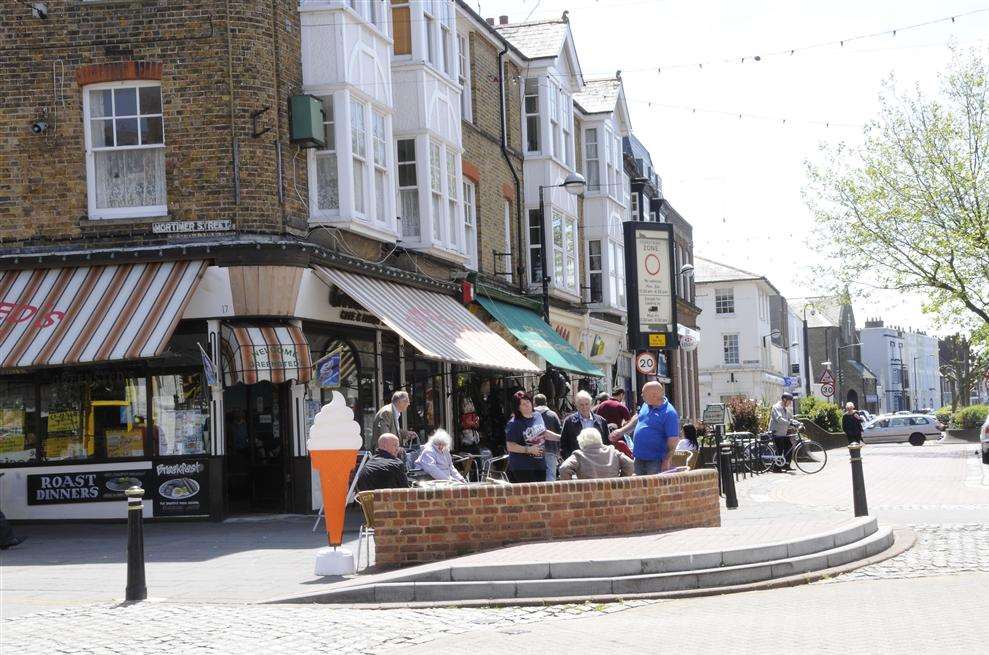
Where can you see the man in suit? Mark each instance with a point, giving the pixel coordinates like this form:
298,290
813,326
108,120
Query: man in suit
388,420
582,418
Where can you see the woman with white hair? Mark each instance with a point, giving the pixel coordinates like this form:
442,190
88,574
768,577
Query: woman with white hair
582,419
851,423
594,460
436,460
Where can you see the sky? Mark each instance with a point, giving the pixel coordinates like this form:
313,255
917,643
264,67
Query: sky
740,181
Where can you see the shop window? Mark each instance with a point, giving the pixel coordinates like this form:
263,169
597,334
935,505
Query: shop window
352,372
18,438
93,419
180,407
125,150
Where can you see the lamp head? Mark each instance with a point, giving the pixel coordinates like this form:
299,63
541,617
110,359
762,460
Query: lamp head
575,184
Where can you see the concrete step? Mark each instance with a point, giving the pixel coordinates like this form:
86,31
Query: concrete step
846,533
714,577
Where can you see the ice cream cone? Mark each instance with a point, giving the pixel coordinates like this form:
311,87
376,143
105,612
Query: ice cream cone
334,439
334,467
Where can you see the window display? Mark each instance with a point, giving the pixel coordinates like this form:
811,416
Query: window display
180,406
18,439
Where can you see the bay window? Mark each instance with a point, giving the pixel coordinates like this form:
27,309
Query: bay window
592,163
568,130
125,150
532,114
594,261
617,274
358,132
571,253
436,187
327,174
380,153
401,19
445,11
454,206
553,96
408,188
429,24
535,247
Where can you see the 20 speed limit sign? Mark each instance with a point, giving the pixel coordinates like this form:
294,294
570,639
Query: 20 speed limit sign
827,390
645,363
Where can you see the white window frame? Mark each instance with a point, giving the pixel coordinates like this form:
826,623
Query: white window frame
329,128
731,346
142,211
405,190
724,301
595,270
616,254
359,156
535,239
437,202
432,43
530,117
634,200
447,40
592,165
470,223
568,144
556,135
455,215
464,77
380,157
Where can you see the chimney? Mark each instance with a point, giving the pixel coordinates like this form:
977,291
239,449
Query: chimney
489,21
503,20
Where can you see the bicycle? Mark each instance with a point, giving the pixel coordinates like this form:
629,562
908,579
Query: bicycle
809,456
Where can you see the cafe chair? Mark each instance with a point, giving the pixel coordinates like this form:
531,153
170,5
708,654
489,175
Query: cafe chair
366,500
465,464
679,458
496,470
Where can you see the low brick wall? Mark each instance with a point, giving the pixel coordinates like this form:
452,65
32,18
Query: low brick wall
413,526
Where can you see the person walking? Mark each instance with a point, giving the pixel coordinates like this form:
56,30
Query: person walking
593,460
851,424
524,439
551,445
656,430
780,424
583,418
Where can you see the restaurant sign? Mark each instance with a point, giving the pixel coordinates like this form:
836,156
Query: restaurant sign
181,487
68,487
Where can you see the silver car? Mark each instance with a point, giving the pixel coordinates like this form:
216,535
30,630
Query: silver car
897,428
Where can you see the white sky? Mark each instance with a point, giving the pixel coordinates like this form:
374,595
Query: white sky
737,181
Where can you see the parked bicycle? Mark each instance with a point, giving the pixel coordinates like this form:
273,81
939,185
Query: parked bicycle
808,455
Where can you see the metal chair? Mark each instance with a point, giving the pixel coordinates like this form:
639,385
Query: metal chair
464,464
679,458
496,470
366,500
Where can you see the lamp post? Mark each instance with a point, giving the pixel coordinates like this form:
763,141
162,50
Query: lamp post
806,362
575,184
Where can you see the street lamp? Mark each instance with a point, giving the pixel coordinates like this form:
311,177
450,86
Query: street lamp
806,362
575,184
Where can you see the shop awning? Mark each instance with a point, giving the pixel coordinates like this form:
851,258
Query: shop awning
74,315
254,353
528,328
435,324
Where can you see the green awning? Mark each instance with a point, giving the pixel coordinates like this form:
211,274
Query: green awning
526,326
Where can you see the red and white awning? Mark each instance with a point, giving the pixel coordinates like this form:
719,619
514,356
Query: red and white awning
74,315
254,353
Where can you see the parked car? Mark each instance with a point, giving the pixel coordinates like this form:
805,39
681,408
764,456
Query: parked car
897,428
903,412
984,440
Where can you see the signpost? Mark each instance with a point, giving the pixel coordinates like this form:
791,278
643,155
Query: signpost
645,363
827,383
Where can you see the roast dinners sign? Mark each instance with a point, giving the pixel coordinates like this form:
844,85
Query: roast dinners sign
83,487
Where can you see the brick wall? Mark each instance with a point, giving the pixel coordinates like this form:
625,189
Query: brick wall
214,70
424,525
482,151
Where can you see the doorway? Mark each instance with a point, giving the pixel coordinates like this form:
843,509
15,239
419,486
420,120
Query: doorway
257,447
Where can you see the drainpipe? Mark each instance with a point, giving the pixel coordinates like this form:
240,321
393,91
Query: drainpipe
508,159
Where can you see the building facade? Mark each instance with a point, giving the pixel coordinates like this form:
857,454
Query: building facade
907,364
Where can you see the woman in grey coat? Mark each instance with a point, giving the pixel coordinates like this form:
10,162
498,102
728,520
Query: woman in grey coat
593,460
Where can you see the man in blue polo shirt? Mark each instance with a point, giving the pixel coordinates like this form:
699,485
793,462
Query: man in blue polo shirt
657,429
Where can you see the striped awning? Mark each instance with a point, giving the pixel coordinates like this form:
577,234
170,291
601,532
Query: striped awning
276,353
435,324
74,315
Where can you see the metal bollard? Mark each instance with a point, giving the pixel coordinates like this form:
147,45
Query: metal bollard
858,479
137,588
727,479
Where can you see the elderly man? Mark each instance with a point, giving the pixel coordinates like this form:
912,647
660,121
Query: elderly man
594,460
388,420
583,418
780,422
657,430
385,470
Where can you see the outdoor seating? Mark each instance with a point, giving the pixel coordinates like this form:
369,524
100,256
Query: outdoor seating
366,500
496,470
680,458
465,464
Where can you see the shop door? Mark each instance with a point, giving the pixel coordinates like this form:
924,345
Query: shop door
257,447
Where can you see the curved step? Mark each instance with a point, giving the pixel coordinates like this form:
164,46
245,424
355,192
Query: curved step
709,578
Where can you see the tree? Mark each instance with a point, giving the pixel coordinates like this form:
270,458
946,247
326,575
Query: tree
963,363
909,209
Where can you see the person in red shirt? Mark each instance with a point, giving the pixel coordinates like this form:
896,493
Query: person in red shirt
613,410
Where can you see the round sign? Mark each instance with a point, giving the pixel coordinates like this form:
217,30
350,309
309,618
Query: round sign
827,390
652,265
645,363
688,342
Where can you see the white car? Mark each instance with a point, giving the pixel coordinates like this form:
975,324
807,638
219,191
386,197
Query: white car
984,439
897,428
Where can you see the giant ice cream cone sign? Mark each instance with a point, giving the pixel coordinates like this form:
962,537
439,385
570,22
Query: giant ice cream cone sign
334,439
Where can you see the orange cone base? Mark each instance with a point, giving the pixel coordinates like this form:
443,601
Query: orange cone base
334,467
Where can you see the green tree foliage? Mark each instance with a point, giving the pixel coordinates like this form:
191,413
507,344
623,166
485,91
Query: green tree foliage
963,363
909,209
972,416
826,415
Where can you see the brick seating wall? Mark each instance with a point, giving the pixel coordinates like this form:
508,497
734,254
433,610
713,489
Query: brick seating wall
413,526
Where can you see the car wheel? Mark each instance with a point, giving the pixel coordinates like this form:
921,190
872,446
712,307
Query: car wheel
917,439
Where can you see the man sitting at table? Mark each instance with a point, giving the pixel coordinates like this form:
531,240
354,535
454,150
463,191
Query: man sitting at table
385,470
436,459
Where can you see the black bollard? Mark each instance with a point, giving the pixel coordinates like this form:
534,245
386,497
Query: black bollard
727,479
858,479
137,588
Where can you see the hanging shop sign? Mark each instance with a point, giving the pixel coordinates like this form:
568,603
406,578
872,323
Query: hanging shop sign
651,285
70,487
689,338
181,487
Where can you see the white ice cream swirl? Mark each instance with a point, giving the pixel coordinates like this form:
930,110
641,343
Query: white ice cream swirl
334,427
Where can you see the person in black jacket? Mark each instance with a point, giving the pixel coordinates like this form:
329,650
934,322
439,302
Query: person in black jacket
851,423
385,470
582,418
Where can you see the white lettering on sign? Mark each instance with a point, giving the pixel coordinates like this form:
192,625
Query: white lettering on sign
183,227
652,252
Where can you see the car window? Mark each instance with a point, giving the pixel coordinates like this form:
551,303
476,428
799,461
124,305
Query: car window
898,423
919,420
881,424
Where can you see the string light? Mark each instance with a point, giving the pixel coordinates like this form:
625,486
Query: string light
784,120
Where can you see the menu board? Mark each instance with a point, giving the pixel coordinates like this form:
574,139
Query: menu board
68,487
181,487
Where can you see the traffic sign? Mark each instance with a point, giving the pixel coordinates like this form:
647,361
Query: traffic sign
828,378
827,389
645,363
715,414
